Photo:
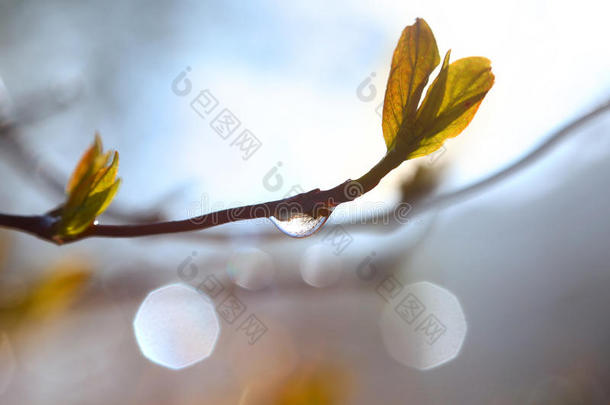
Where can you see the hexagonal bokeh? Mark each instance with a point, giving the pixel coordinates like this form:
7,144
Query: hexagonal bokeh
423,325
176,326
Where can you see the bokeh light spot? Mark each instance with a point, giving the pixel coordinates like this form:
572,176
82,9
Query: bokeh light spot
424,326
251,268
320,267
176,326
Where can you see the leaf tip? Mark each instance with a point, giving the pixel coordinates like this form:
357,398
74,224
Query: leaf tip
98,142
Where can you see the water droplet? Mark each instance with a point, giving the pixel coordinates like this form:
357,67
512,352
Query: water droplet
176,326
299,225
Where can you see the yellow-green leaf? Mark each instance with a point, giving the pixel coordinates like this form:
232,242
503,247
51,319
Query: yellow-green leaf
450,103
91,188
108,195
94,205
79,193
85,165
434,96
105,177
414,59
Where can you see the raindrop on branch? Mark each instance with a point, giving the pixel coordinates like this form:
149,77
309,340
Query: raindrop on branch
300,225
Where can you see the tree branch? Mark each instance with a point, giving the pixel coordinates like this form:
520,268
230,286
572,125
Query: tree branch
315,202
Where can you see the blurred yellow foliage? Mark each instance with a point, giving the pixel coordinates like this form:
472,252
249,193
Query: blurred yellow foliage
311,384
55,290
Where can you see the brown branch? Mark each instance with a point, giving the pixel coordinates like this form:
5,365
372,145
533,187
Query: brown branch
38,225
314,202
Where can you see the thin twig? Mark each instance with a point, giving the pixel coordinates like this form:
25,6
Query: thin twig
314,203
392,219
544,147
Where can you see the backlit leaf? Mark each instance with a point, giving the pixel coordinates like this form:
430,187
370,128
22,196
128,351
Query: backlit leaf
105,177
451,102
85,165
434,96
79,193
415,57
94,205
91,189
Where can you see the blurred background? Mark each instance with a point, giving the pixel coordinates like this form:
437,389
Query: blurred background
498,298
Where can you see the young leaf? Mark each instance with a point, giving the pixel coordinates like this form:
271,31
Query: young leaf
90,190
78,194
85,165
94,205
451,102
105,177
434,96
414,59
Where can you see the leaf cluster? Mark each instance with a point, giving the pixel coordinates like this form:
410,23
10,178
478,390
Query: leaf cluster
90,190
451,101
